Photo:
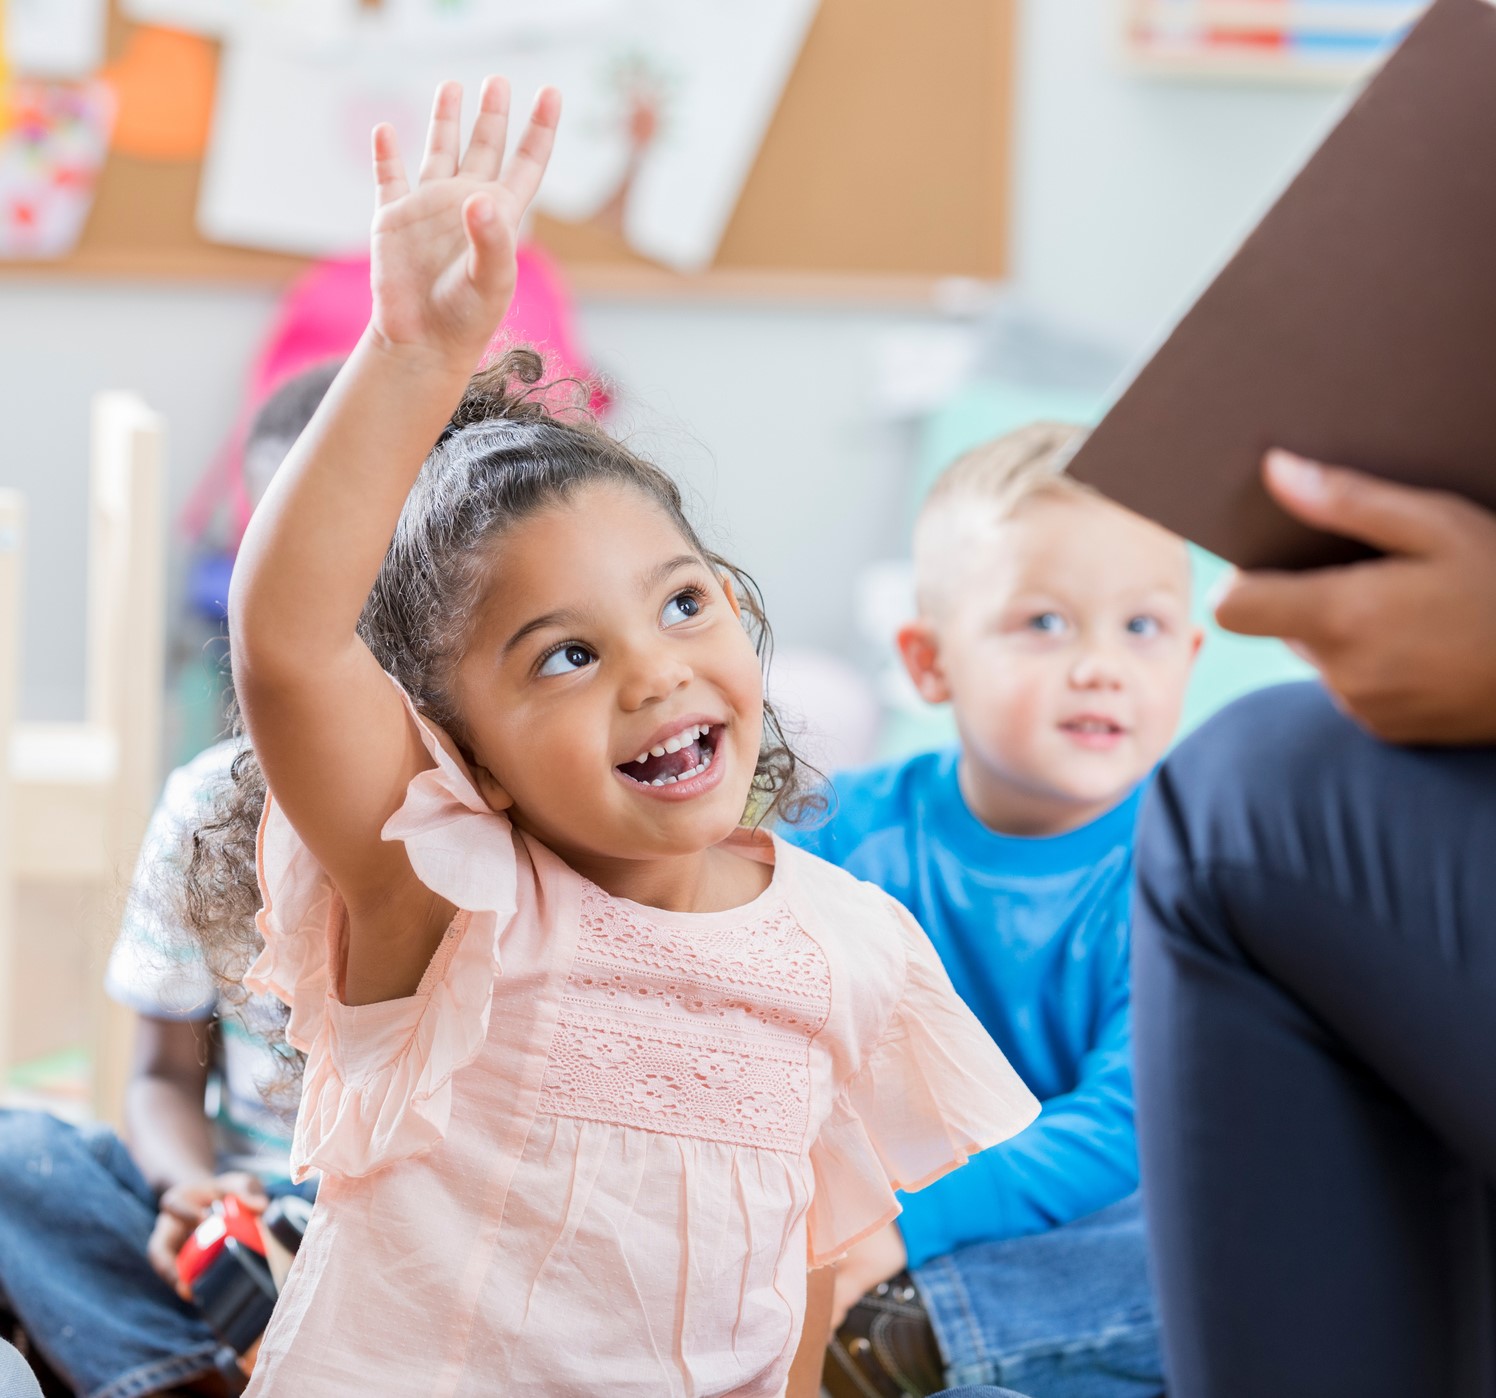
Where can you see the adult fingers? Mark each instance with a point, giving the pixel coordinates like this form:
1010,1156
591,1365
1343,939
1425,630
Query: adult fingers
1391,517
523,172
389,170
1297,606
485,152
444,135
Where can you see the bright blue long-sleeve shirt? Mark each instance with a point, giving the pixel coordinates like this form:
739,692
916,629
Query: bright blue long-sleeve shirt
1034,936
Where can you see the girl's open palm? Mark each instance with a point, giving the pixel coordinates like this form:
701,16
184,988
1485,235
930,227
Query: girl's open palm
444,251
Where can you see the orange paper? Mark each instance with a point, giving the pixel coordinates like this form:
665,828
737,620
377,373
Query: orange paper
164,84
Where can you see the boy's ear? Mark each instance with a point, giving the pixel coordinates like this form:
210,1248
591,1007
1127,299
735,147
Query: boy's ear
732,594
489,789
1197,639
920,648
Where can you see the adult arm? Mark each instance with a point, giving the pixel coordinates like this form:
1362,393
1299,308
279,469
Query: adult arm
1406,643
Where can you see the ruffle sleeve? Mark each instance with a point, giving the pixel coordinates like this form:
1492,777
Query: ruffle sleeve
378,1081
933,1091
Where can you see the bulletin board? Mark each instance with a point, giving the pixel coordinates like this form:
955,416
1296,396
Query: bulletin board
885,169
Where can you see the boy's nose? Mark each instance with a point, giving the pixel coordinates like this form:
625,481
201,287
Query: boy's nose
1096,669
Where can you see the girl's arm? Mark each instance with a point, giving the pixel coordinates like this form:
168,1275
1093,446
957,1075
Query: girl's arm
336,745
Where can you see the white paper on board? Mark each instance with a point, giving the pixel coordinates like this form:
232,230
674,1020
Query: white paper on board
55,38
666,103
441,23
713,71
316,23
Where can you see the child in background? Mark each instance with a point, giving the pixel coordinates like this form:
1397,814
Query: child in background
1058,626
592,1069
81,1237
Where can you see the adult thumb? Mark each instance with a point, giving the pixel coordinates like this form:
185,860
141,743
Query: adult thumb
1390,517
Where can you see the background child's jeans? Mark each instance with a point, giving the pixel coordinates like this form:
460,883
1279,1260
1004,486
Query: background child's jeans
75,1216
1063,1314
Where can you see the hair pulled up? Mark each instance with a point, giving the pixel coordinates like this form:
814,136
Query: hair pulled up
514,446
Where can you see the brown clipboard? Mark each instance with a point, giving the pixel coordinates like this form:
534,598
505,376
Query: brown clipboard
1356,325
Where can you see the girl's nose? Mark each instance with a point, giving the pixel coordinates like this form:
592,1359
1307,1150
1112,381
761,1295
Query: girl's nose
655,675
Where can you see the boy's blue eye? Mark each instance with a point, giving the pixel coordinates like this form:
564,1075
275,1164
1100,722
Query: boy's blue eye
1050,623
567,659
1146,626
682,607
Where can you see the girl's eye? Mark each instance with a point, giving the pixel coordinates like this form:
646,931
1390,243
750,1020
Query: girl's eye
682,607
567,660
1145,626
1049,623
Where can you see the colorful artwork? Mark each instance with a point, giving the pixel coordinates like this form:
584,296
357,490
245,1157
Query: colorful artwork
666,105
49,162
1330,38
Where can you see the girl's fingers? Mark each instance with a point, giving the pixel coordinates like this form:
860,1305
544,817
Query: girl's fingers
486,264
444,136
389,170
485,152
523,172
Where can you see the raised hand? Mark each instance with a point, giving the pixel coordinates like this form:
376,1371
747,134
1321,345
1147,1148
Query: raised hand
444,251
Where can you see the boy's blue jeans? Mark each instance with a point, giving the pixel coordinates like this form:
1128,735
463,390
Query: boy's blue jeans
1063,1314
75,1216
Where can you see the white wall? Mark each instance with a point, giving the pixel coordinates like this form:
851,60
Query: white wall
1130,190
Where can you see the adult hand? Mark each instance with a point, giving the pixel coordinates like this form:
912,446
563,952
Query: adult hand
875,1259
443,253
1406,643
183,1207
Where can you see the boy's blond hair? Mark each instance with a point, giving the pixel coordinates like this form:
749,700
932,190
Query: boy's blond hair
998,478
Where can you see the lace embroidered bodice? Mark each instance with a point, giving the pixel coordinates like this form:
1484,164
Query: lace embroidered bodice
652,1026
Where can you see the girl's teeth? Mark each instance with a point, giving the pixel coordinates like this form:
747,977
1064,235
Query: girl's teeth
642,758
657,752
695,771
675,744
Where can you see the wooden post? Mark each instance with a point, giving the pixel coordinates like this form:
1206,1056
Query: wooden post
126,679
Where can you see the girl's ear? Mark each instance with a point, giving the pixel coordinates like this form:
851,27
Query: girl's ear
489,789
732,594
919,645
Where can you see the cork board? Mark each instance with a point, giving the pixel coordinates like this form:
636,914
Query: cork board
885,169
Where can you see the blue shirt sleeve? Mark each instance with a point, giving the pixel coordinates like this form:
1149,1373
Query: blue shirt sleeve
1080,1155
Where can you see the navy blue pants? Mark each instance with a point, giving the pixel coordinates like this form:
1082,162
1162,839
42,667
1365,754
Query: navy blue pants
1315,1031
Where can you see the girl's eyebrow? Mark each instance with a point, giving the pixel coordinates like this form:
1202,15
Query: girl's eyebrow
565,617
570,617
651,578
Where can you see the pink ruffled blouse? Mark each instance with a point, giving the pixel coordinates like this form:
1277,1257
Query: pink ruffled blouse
594,1152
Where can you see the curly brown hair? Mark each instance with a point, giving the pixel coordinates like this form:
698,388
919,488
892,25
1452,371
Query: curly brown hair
515,445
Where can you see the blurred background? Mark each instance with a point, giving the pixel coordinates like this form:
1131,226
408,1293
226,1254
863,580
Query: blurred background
810,250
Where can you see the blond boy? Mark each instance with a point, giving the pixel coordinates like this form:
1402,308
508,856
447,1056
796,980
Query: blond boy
1058,627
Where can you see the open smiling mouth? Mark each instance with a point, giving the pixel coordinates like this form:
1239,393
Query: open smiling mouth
687,754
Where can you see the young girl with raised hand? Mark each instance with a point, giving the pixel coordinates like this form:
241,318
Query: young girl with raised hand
593,1069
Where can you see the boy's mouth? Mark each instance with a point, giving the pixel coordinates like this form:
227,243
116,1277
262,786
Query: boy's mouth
680,757
1093,730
